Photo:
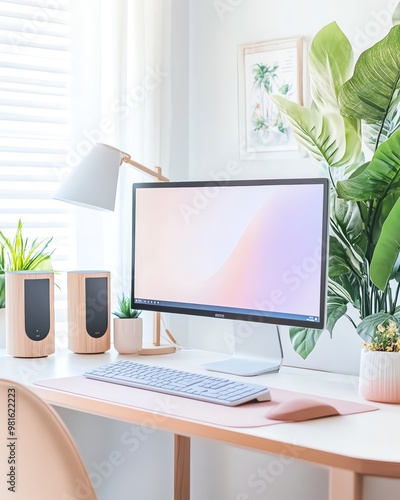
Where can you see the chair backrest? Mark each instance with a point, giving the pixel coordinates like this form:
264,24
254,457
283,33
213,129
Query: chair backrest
38,458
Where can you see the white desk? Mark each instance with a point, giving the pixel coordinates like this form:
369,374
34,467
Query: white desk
347,445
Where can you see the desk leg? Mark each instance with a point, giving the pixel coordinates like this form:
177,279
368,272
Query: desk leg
182,468
344,485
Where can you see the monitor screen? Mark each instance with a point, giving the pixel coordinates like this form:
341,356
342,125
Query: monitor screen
253,250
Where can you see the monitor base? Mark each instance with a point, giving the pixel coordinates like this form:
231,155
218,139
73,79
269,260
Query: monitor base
243,367
257,350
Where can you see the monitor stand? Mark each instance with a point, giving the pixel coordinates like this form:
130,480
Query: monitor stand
258,349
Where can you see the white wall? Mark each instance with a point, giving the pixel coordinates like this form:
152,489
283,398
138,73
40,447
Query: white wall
214,39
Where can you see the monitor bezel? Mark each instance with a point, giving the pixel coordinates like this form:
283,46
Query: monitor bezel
239,315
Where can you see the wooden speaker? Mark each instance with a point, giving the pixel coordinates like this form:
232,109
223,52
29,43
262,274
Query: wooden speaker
30,313
88,311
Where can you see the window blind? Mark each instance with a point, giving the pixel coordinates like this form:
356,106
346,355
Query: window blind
35,72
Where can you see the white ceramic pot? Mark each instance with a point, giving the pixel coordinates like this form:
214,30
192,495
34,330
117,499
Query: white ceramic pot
380,376
128,335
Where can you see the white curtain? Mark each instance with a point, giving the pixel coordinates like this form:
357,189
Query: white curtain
34,93
120,97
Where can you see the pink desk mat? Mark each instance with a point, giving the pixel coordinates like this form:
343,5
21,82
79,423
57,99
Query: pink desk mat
247,415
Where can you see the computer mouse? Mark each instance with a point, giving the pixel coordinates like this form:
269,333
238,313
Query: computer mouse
299,409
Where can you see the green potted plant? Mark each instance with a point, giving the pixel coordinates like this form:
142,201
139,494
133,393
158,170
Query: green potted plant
128,327
18,254
380,364
352,129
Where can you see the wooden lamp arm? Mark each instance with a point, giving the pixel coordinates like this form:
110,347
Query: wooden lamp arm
155,173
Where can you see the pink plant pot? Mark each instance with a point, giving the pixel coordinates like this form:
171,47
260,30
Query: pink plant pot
128,334
380,376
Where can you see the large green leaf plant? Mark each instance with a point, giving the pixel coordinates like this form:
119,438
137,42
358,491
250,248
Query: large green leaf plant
18,254
352,128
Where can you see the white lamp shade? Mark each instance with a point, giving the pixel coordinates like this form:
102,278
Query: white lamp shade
93,183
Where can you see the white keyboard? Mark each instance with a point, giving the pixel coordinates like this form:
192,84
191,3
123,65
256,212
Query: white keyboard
180,383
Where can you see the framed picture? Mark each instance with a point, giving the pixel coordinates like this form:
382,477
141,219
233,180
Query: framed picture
271,67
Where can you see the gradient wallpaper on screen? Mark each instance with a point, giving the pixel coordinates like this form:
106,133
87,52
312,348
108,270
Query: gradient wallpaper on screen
248,247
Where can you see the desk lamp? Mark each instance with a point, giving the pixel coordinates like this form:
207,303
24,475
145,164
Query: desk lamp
93,184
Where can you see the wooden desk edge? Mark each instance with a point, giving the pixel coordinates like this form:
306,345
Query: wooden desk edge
234,436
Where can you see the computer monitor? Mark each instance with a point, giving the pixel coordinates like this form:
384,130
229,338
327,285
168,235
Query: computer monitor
253,250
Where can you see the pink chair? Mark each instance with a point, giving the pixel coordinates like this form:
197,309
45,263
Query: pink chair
38,458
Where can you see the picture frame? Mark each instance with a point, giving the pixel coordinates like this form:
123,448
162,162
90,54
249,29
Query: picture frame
269,67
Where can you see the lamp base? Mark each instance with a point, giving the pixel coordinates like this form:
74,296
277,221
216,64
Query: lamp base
154,350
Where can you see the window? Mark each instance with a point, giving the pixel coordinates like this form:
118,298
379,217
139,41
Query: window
60,84
35,62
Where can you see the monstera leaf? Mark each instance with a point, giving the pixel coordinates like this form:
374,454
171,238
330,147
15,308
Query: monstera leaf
373,92
321,130
330,62
347,224
338,259
327,137
305,339
344,280
387,249
380,180
385,129
378,176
